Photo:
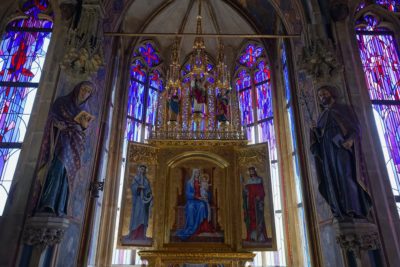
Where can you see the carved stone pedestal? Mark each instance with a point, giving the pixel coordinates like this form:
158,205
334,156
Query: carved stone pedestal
357,237
175,258
41,233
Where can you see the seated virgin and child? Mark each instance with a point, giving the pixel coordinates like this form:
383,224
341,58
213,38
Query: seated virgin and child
197,207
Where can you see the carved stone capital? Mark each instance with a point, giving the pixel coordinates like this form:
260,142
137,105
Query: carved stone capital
357,236
44,231
84,54
319,60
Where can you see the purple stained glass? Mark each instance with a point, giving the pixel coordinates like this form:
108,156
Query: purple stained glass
264,101
151,106
155,80
251,53
138,70
149,54
246,107
262,72
136,100
381,64
243,80
133,130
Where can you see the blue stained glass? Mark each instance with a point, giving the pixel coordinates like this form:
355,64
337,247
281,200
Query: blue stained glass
35,7
262,73
285,69
23,49
243,81
155,80
136,100
138,70
251,54
392,5
151,106
149,54
246,107
264,101
133,130
146,82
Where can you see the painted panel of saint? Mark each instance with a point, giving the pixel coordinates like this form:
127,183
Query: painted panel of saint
194,208
137,207
256,203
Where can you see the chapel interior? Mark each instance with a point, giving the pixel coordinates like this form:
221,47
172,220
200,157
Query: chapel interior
194,133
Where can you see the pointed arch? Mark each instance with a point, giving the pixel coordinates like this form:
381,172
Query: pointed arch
146,83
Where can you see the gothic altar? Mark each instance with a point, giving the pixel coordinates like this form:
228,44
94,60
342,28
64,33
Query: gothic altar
197,193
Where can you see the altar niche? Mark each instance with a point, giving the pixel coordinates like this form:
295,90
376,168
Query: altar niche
210,198
197,191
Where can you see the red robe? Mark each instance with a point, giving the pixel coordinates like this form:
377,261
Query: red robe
255,210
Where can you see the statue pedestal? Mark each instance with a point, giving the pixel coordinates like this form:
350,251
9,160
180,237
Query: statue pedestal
170,258
356,238
42,232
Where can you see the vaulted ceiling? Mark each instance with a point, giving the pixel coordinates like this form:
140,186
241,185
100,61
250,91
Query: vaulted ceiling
179,16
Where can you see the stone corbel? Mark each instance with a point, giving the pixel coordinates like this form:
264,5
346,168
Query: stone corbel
84,54
357,237
44,231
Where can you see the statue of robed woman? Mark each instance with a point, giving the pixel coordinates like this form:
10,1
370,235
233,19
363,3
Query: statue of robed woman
62,148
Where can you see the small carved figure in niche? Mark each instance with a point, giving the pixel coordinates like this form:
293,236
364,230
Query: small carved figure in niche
199,95
335,142
174,105
253,206
223,105
142,200
62,148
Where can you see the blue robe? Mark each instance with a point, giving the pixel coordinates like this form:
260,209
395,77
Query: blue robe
195,212
62,148
141,203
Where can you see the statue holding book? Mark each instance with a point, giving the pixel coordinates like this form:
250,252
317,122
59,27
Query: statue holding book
62,148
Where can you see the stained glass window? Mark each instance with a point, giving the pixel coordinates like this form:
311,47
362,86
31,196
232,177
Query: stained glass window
253,85
295,156
391,5
23,48
381,65
145,84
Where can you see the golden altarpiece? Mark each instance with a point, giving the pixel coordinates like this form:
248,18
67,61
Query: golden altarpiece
197,193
